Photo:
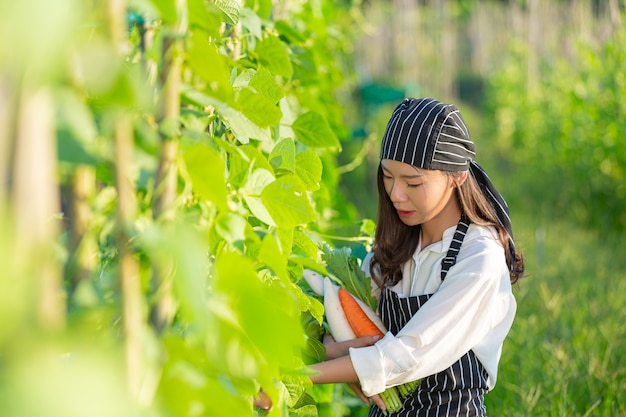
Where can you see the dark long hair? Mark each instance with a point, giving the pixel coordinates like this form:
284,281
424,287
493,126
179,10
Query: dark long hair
395,242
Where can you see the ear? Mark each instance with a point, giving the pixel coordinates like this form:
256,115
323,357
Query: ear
459,178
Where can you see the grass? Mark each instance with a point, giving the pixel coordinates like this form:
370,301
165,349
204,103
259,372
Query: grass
566,353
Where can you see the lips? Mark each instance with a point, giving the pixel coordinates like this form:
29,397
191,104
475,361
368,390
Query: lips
403,213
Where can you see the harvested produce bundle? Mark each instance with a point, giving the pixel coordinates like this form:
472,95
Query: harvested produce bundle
348,318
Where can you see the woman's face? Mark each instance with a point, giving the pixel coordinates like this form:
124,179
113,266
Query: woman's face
418,195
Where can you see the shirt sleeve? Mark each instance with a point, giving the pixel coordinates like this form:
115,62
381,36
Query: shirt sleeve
474,298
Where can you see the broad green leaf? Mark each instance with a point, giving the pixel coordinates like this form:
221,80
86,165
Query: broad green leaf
167,10
182,249
258,108
271,256
268,313
194,120
312,129
274,56
288,32
205,168
309,168
283,156
305,66
257,180
304,245
287,202
285,240
242,127
263,8
231,227
210,65
265,84
206,16
231,9
251,22
237,122
258,209
243,79
243,160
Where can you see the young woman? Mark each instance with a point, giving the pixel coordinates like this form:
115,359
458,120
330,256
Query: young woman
442,267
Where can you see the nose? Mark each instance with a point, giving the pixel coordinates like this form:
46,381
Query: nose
397,193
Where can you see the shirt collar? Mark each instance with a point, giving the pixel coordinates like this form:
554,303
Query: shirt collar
440,246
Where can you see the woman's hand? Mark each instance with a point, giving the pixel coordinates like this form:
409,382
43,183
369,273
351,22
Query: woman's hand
336,349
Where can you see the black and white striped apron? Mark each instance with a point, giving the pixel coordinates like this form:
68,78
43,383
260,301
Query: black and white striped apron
456,391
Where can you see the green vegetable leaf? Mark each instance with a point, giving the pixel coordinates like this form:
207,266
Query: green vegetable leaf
210,65
309,169
274,56
270,255
251,22
346,269
287,202
283,156
258,108
206,171
304,245
312,129
231,10
264,83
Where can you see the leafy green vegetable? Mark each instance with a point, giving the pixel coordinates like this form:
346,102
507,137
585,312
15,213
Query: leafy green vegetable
346,269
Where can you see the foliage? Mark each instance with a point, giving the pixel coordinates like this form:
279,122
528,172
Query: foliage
245,95
565,352
567,129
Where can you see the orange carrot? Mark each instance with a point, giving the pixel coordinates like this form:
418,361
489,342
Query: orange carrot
360,323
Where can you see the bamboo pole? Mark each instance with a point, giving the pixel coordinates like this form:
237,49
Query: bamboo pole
83,246
129,268
132,313
36,202
167,173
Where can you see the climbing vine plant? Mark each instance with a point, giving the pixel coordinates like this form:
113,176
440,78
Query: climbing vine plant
193,175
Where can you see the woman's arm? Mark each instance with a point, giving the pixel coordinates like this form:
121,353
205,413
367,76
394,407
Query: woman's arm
334,371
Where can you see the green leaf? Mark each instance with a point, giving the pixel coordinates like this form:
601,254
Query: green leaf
205,168
206,16
194,120
231,227
258,108
167,10
287,202
274,56
271,256
265,84
283,156
268,313
345,267
243,160
252,190
304,245
251,22
288,32
237,122
309,168
210,65
312,129
230,8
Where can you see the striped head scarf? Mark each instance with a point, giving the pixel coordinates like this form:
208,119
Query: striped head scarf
429,134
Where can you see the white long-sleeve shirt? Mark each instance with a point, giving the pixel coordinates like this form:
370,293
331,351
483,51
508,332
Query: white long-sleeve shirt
472,309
